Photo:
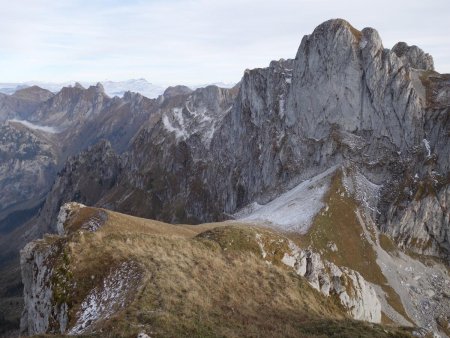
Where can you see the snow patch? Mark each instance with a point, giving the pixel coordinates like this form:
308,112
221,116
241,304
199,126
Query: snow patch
427,146
293,210
103,302
177,123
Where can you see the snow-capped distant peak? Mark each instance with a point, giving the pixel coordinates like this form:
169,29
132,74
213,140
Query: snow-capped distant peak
112,88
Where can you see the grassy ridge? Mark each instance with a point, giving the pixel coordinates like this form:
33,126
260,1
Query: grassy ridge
201,281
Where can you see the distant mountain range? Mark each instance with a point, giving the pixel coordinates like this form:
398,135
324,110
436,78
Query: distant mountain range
112,88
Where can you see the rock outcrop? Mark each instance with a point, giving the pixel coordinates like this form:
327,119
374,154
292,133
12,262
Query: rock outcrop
45,271
413,56
424,225
353,292
41,313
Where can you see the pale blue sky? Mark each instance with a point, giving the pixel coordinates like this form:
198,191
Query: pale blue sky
191,41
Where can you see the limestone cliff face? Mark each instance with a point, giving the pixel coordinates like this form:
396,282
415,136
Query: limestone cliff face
46,275
28,163
170,158
41,313
423,226
413,56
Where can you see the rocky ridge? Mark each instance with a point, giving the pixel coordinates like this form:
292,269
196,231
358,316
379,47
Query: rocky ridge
22,103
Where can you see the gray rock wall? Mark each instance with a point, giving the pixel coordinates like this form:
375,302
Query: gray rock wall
40,314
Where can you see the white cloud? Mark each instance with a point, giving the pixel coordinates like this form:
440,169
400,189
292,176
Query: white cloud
191,41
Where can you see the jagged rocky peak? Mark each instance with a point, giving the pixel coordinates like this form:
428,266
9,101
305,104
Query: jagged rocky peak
71,105
212,97
99,87
78,89
413,56
335,27
78,85
66,94
330,35
177,90
130,96
344,77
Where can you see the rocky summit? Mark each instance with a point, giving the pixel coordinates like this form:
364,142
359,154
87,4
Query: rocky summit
327,176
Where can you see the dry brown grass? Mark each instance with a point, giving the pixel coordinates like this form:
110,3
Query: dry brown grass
194,287
83,215
197,285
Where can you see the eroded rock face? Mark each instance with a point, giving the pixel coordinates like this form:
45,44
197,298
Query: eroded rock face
413,56
28,163
424,226
354,293
45,267
40,313
65,213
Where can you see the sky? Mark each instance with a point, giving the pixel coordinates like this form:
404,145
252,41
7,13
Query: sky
192,41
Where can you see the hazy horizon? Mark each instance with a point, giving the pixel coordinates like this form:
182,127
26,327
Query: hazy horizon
191,42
